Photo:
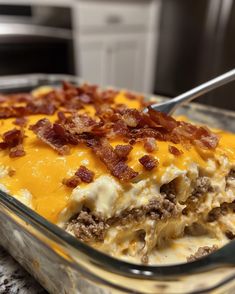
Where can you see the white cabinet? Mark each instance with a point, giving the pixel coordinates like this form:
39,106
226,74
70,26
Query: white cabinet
92,60
127,62
116,43
113,60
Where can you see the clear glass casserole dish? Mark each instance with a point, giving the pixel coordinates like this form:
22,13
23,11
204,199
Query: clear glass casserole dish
63,264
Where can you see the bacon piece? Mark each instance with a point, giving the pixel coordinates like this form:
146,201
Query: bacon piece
49,134
12,111
5,112
199,136
88,89
40,106
113,162
21,121
86,99
204,138
11,99
72,182
131,95
61,117
120,128
85,174
149,162
132,117
68,86
13,140
175,151
20,97
3,98
108,95
79,124
122,151
164,120
150,144
17,151
146,133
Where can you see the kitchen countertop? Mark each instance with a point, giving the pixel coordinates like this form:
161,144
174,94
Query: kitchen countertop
14,279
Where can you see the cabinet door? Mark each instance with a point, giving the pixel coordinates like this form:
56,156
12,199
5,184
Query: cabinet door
128,62
116,60
92,60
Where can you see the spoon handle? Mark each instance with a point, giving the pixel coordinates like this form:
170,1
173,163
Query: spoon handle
197,91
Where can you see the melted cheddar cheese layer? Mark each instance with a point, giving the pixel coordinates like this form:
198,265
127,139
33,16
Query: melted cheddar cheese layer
42,170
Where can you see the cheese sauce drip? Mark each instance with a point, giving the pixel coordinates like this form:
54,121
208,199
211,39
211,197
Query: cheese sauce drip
42,170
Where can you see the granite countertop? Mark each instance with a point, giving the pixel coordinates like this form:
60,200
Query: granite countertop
14,279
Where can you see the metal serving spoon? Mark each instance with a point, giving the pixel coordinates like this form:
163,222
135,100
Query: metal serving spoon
170,106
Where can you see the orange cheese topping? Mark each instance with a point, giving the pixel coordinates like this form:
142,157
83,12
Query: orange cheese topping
42,170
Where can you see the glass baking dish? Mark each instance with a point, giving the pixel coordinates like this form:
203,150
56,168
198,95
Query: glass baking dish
63,264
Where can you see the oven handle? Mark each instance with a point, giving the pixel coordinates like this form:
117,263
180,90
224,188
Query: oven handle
10,29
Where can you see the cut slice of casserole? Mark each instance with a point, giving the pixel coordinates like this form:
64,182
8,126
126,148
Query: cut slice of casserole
129,183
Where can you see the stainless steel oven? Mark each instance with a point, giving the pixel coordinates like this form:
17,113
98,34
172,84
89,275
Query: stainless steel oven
196,43
36,38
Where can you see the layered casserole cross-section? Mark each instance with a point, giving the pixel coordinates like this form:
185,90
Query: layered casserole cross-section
144,187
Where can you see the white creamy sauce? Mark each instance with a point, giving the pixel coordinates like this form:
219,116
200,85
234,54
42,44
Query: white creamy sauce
179,250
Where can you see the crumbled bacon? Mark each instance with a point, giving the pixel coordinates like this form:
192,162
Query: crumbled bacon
112,121
122,151
199,136
85,174
162,119
174,150
61,116
131,117
146,133
17,151
3,98
130,95
13,137
50,135
205,138
108,95
12,111
13,140
113,162
120,128
149,162
68,86
40,107
150,144
84,98
21,121
78,124
72,182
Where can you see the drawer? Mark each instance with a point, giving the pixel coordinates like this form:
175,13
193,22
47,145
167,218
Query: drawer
103,14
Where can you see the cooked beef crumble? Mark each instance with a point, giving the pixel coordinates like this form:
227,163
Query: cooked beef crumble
201,187
155,209
88,226
169,191
224,208
202,252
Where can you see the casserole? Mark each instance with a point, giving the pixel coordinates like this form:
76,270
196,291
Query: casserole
59,261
